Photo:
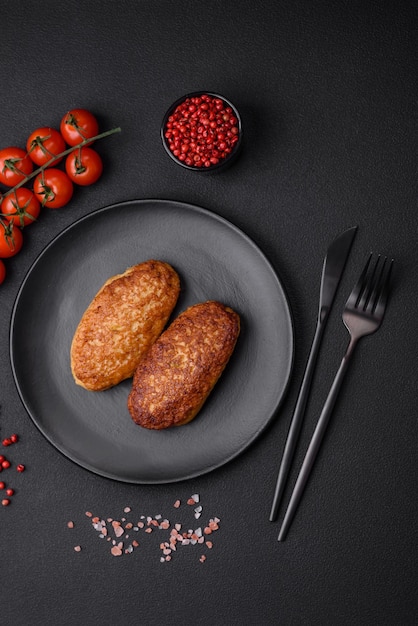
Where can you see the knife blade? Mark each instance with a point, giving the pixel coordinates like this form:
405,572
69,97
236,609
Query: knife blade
332,270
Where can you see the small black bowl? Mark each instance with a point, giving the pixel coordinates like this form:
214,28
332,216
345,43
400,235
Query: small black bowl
222,162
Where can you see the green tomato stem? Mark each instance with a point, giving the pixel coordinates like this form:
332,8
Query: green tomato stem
43,167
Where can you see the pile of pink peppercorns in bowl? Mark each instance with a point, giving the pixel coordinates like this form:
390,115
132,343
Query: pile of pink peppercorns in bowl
202,131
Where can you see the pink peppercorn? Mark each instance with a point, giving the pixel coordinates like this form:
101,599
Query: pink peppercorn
202,131
20,468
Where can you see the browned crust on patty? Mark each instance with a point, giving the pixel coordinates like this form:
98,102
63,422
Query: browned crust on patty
178,373
123,320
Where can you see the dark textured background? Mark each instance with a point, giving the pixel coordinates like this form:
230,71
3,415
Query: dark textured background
328,96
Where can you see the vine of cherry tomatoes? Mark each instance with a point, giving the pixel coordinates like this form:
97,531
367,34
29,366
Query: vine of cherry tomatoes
52,187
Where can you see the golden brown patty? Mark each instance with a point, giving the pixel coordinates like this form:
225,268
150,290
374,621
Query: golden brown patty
180,370
121,323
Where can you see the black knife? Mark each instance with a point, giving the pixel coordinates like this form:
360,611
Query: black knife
332,271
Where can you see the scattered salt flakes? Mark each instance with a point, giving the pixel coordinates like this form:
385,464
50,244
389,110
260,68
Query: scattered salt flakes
162,559
117,528
77,548
70,524
117,550
176,538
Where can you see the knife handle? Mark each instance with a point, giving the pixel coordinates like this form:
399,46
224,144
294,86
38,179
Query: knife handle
315,443
297,418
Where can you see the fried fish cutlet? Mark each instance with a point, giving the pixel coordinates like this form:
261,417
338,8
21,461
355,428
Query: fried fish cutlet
121,323
176,376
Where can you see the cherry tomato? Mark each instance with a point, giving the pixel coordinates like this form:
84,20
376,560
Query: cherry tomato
43,144
11,240
77,125
2,272
84,166
21,207
14,165
53,188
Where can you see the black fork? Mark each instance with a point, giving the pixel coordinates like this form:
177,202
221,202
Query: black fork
362,315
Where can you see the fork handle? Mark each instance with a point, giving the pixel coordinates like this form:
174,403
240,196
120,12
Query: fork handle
316,441
297,419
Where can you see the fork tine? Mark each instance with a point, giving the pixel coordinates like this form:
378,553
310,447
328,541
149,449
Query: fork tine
359,287
371,286
381,294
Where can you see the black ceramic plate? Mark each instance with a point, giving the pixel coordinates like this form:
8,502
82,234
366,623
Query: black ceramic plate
215,260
